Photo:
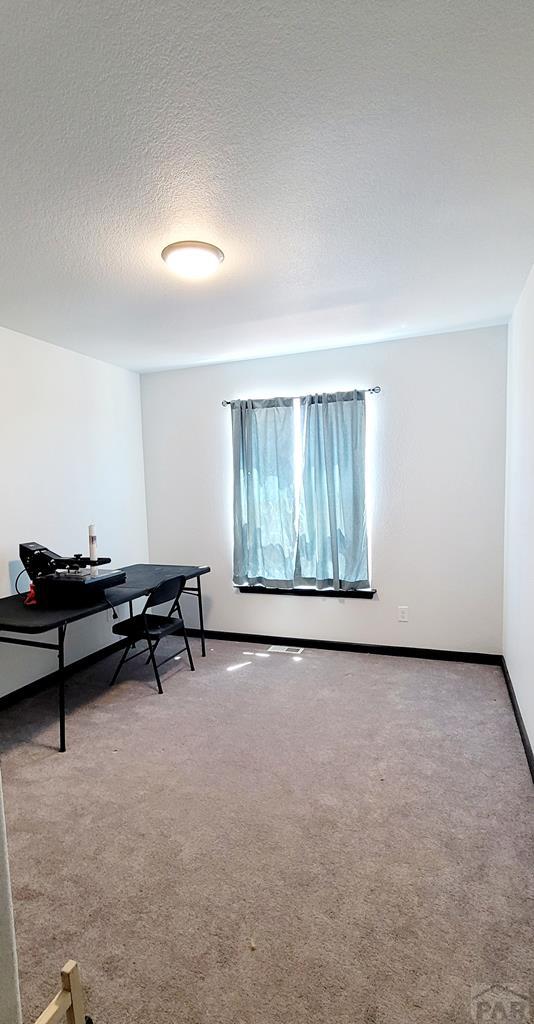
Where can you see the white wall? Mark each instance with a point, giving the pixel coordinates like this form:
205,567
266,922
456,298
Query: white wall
71,454
519,547
437,468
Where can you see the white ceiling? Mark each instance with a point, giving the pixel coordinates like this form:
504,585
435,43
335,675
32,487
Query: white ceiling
367,166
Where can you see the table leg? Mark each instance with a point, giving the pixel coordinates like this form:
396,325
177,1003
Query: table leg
201,618
61,685
130,605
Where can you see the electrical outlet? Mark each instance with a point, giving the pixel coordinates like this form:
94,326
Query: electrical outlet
402,613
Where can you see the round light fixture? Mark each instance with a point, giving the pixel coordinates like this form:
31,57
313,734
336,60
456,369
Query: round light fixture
192,260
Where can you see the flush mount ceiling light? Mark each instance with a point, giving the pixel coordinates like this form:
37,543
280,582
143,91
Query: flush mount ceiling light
192,260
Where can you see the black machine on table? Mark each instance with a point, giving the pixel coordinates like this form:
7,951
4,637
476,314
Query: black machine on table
59,581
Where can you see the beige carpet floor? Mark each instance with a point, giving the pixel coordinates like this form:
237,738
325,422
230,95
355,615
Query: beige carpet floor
344,838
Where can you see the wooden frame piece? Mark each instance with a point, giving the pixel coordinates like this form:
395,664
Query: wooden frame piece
68,1004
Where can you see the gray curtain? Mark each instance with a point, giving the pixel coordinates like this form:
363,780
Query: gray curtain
332,532
264,492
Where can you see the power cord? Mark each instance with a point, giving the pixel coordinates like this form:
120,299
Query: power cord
109,604
22,571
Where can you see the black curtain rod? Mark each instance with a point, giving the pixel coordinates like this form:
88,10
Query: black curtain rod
370,391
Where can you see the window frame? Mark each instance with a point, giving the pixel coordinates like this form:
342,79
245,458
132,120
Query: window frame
366,594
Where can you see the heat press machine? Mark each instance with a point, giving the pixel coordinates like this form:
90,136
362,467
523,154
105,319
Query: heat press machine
60,582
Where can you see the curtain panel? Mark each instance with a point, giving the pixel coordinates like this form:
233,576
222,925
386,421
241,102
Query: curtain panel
299,511
332,531
264,492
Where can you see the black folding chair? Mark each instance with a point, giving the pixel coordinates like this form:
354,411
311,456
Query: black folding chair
153,628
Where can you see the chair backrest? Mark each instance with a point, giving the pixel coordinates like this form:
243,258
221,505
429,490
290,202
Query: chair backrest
68,1003
169,590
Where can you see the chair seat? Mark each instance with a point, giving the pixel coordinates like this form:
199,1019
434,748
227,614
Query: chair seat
155,626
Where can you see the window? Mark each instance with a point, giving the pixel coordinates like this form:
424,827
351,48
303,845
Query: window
299,492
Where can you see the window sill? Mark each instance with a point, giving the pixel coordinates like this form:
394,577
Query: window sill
366,595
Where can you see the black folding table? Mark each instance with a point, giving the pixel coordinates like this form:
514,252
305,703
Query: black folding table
16,617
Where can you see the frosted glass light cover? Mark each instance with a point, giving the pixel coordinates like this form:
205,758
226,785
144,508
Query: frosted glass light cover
192,260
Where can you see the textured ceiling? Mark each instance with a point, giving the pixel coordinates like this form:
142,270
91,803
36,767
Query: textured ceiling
366,165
